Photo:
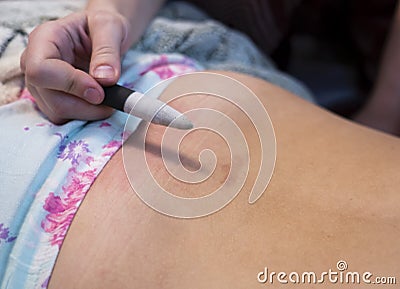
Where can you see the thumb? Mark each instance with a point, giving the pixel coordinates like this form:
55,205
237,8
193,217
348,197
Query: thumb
107,32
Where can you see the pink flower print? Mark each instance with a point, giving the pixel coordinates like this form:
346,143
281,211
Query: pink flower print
164,72
78,183
171,69
53,204
111,148
42,124
112,144
104,124
88,160
75,151
166,66
25,94
179,69
61,209
161,60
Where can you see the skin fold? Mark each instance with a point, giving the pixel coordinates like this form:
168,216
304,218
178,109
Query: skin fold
334,195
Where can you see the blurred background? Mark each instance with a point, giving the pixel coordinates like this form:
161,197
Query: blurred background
332,46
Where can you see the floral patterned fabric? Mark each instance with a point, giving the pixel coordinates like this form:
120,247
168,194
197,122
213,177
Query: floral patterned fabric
47,169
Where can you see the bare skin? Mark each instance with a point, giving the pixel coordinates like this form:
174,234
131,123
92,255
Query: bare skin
334,195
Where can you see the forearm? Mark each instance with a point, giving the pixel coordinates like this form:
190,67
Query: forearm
138,12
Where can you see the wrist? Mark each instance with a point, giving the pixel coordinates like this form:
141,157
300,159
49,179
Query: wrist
136,13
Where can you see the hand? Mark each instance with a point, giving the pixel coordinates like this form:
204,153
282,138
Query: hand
67,60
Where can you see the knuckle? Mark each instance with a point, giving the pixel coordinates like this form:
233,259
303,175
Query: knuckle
47,29
32,63
104,50
33,72
70,83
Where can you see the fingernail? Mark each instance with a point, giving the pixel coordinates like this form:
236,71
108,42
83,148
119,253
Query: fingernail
104,71
92,95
